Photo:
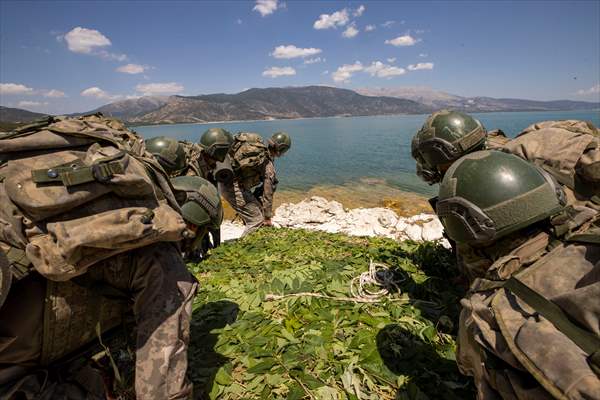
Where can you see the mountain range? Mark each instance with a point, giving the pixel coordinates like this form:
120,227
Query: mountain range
301,102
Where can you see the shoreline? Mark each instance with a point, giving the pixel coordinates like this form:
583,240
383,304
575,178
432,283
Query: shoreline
239,121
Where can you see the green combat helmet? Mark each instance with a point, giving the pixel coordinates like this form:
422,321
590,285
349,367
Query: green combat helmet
488,194
201,204
5,278
281,141
444,138
169,153
216,143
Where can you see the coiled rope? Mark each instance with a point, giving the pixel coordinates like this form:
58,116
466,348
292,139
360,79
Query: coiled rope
379,275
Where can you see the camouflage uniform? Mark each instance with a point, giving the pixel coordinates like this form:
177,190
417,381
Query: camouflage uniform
161,301
90,228
506,341
253,207
569,150
196,163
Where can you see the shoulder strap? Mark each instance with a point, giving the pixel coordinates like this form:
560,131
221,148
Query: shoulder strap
586,341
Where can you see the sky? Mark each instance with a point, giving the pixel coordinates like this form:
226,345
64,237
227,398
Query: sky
61,57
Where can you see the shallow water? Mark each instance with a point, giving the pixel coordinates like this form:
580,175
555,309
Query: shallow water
362,157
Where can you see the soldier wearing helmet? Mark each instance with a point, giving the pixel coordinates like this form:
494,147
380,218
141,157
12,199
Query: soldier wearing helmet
201,209
529,322
192,159
445,137
251,191
569,150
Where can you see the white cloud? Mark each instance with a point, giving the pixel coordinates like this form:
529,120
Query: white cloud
265,7
14,88
83,40
592,90
314,60
327,21
98,93
291,51
325,72
405,40
345,72
275,72
388,24
55,94
239,21
90,41
132,69
391,60
370,28
422,55
149,89
359,11
419,66
27,103
381,70
350,32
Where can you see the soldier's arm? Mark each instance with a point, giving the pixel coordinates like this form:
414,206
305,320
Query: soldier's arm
269,187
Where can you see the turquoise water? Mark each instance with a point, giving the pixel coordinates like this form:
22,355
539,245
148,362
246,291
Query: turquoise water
342,151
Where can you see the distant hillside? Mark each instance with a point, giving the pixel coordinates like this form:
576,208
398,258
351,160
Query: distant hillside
439,100
299,102
10,118
270,103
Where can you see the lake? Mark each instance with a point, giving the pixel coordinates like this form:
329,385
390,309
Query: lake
369,156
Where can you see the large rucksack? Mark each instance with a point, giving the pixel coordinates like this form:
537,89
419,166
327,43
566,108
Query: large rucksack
569,150
76,191
248,154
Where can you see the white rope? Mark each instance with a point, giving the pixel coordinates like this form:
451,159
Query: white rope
378,275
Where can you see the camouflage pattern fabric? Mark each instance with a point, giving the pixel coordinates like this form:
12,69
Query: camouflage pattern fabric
252,209
511,349
569,150
244,203
155,285
197,165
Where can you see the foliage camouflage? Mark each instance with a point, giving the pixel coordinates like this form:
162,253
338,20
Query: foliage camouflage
313,348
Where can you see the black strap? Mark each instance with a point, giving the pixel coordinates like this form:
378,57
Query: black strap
586,341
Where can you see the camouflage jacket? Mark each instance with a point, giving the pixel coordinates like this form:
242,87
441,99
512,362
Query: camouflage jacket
511,338
196,164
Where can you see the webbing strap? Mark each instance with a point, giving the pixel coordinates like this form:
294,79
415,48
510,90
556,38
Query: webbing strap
20,264
77,174
586,341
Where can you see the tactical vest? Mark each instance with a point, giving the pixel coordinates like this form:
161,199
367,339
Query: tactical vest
535,317
75,192
248,154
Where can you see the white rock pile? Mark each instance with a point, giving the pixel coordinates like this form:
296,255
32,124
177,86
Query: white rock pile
317,213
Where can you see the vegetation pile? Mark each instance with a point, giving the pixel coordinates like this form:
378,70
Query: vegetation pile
248,343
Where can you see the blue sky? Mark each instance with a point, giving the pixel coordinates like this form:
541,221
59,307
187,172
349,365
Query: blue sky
73,56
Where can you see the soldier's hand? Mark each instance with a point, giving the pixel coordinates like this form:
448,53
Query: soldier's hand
267,222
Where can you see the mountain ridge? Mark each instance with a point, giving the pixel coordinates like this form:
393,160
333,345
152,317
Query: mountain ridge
302,102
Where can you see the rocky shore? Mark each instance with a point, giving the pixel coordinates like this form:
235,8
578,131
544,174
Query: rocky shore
318,213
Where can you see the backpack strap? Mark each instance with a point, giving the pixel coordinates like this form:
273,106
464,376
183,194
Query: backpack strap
586,341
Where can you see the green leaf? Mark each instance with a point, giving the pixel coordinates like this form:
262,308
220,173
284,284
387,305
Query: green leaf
263,366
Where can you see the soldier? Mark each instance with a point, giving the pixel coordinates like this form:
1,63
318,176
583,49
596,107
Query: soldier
207,159
191,159
569,150
529,328
253,167
201,208
92,232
